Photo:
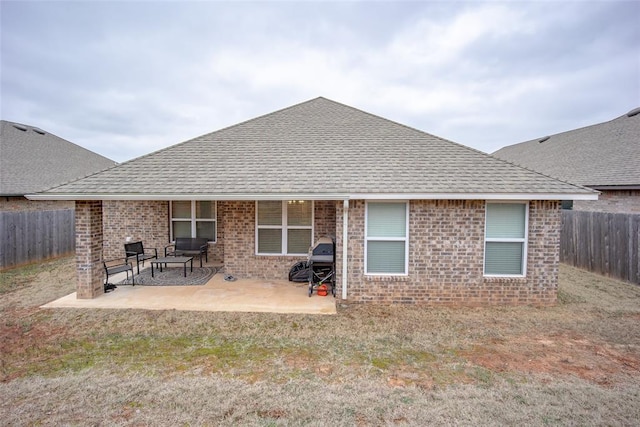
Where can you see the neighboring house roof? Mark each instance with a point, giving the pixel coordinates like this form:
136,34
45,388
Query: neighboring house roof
319,149
600,156
33,160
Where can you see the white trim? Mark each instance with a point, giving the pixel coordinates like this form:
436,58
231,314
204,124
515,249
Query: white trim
473,196
345,248
524,241
193,220
320,196
284,227
387,239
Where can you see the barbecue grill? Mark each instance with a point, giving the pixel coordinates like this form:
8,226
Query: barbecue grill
322,265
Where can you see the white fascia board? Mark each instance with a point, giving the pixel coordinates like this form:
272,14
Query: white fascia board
167,197
316,196
475,196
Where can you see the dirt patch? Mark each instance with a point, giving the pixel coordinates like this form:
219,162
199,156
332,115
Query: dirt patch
559,355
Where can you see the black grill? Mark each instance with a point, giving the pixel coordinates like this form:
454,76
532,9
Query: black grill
322,265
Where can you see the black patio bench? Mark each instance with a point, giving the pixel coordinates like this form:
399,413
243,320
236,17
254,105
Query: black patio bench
136,250
188,246
115,266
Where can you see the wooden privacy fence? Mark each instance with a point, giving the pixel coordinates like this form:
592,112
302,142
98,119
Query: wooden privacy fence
604,243
30,236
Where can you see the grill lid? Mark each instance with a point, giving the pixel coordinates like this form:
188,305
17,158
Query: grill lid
323,250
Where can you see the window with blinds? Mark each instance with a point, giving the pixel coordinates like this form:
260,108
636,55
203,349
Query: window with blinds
505,239
387,237
284,227
195,218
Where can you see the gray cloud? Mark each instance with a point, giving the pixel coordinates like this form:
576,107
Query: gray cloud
124,79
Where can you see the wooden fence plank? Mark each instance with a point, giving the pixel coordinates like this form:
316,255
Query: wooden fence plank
601,242
31,236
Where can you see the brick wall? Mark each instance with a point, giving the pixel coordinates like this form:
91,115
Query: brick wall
240,259
146,221
612,201
446,258
89,249
15,204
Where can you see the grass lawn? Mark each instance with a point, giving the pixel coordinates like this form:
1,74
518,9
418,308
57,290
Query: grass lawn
577,363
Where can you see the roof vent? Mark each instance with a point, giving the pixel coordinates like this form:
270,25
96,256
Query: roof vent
20,127
40,131
543,139
633,112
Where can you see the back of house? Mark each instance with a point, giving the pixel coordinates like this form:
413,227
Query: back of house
416,219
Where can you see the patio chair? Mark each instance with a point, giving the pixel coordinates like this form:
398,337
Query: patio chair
188,246
115,266
136,250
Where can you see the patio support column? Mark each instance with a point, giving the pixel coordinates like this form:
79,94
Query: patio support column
89,248
345,249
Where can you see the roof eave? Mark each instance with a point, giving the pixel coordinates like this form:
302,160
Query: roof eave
615,187
321,196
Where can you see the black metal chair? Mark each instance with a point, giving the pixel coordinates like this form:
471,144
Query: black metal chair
136,250
189,246
115,266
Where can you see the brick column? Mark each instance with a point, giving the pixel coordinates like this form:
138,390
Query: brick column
89,249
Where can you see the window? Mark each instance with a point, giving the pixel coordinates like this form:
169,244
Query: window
284,227
505,239
195,218
387,238
567,205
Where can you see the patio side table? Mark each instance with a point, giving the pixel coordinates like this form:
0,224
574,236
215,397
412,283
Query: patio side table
172,260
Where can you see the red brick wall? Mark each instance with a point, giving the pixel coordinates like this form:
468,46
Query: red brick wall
89,249
146,221
240,259
446,258
14,204
612,201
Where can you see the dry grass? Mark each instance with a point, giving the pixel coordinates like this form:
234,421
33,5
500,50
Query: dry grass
574,364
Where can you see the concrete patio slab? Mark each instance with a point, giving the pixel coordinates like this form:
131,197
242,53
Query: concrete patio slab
242,295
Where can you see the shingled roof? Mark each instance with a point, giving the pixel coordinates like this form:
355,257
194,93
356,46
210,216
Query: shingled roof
319,149
33,160
600,156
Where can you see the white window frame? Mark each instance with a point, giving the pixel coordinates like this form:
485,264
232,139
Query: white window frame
193,220
524,240
284,227
368,238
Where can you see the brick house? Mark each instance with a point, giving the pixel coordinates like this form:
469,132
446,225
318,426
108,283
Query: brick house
416,218
32,160
603,156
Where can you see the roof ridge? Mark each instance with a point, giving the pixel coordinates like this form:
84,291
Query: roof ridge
172,146
51,134
464,146
419,170
623,116
43,171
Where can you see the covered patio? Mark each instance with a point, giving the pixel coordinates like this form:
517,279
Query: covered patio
241,295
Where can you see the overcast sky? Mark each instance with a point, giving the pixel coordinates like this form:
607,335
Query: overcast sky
127,78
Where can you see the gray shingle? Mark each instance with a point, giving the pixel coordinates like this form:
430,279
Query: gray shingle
33,160
604,154
317,147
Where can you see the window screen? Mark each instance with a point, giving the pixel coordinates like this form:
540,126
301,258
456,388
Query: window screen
505,238
386,240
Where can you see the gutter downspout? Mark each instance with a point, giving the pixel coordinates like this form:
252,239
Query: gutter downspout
345,249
